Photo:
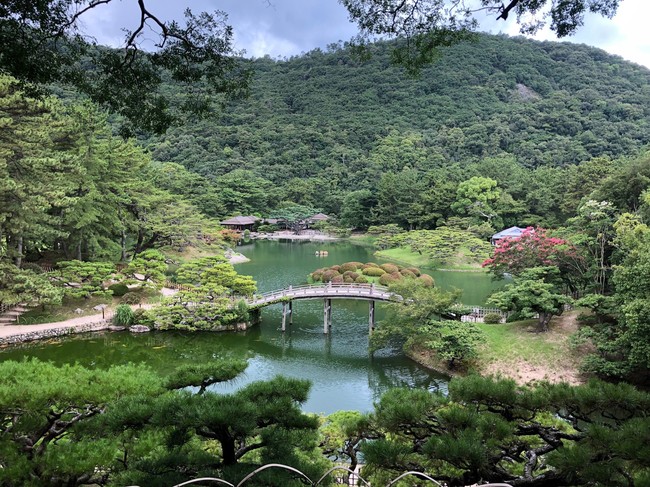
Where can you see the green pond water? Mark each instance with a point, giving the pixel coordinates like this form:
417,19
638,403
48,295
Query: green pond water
343,375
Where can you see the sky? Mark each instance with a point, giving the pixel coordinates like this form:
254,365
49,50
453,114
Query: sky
284,28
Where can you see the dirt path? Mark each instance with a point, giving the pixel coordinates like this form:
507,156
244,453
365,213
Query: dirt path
11,330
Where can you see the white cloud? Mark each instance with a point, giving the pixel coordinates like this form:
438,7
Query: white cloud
258,41
289,27
624,35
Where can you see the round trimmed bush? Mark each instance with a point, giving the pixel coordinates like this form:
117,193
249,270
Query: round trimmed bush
119,289
330,274
131,298
335,268
414,270
348,280
427,280
387,279
349,266
407,273
361,280
317,276
492,318
374,271
390,268
337,279
369,264
351,274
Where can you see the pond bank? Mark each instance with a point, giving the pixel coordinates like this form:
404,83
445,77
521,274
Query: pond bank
289,235
515,351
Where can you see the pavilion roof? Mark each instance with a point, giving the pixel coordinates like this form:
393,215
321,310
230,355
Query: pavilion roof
240,220
508,232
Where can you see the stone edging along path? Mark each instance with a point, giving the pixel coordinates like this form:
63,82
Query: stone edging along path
12,334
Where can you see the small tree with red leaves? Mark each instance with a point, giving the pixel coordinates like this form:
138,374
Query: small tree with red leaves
535,248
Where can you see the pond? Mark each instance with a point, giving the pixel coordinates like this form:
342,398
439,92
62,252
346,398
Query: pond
342,373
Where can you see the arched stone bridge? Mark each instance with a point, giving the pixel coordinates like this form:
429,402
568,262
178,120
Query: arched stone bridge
327,292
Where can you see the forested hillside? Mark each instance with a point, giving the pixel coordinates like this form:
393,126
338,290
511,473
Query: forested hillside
323,124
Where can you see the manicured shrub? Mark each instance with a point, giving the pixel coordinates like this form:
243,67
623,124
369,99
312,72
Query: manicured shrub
330,274
143,317
350,266
348,280
396,275
317,276
361,280
369,264
374,271
131,298
123,315
414,270
351,274
492,318
427,280
335,268
337,279
390,268
407,273
118,289
387,279
389,229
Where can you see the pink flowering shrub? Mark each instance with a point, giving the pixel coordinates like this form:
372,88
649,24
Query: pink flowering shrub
534,248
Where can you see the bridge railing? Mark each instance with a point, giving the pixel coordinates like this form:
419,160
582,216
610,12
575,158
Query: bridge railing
309,289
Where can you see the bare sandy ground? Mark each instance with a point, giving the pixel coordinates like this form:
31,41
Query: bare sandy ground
564,369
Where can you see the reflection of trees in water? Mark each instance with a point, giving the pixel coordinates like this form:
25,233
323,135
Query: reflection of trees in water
386,373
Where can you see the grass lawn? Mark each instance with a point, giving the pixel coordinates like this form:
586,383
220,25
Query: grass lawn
515,350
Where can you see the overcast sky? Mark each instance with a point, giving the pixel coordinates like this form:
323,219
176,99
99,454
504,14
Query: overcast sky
282,28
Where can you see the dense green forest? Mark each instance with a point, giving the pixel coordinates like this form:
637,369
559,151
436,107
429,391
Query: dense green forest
326,127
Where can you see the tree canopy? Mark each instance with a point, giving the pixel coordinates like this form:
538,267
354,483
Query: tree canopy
427,25
44,42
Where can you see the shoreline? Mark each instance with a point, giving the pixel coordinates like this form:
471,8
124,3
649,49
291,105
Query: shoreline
289,235
237,258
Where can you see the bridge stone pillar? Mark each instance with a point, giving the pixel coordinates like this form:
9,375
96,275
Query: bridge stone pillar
284,316
327,316
371,316
290,313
